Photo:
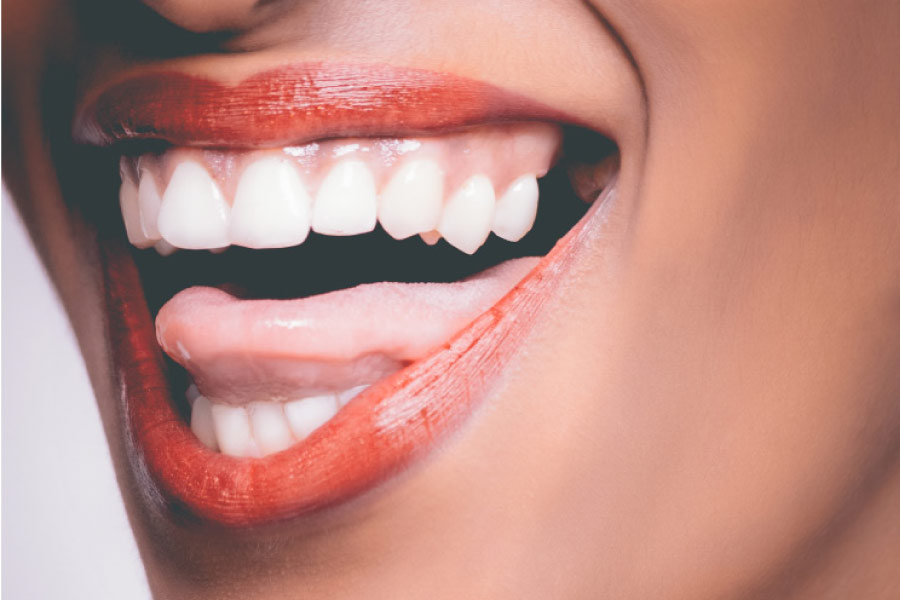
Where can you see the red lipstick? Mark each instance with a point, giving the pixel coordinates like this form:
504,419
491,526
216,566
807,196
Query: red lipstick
296,104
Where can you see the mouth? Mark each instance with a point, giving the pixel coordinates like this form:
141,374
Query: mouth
323,271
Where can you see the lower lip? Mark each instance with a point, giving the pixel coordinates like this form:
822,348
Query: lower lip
380,433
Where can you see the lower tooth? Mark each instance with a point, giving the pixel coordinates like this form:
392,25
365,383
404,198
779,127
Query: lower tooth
270,427
202,422
306,415
232,427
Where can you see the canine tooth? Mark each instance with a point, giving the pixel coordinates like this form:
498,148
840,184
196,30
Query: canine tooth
193,213
164,248
149,201
411,201
516,209
466,222
345,202
202,422
271,206
347,395
430,237
308,414
270,427
232,427
131,213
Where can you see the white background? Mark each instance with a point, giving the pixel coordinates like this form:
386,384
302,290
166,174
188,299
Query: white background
65,534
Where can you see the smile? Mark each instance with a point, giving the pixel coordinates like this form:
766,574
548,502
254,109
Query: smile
328,274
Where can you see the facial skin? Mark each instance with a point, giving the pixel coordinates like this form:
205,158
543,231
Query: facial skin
710,410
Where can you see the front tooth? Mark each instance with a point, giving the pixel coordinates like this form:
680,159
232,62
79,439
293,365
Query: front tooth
131,213
271,206
149,201
193,213
232,427
270,427
345,203
308,414
202,422
516,209
466,222
411,202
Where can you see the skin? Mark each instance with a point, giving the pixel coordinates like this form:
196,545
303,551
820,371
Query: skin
709,410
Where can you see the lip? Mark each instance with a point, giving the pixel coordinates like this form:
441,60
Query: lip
393,423
295,104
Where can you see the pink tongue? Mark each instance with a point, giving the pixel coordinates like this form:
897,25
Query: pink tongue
243,350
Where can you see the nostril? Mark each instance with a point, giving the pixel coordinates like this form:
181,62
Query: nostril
206,16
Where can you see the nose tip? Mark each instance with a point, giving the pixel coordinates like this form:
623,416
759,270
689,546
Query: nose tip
206,16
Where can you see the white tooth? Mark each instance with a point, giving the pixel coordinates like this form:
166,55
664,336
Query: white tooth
466,222
232,426
193,213
202,422
270,427
308,414
347,395
430,237
345,202
271,206
164,248
516,209
411,201
131,213
149,201
191,394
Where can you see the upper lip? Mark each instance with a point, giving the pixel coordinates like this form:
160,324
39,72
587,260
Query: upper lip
295,104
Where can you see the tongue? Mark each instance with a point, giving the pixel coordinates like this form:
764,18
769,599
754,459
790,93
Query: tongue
239,351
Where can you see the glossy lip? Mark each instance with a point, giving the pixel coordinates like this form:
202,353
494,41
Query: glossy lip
296,104
395,421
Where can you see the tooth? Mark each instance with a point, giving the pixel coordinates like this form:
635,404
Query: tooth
430,237
308,414
131,213
411,201
270,427
232,428
202,422
271,206
466,222
164,248
193,213
516,209
149,201
347,395
191,394
345,203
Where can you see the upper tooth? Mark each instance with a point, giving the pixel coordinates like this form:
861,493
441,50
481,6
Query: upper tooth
411,202
202,422
149,201
131,213
347,395
232,427
308,414
466,222
270,427
345,203
193,213
271,206
516,209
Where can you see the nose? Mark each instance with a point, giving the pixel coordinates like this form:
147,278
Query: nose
204,16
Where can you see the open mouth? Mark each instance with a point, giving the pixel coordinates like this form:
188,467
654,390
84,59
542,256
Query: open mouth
332,295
